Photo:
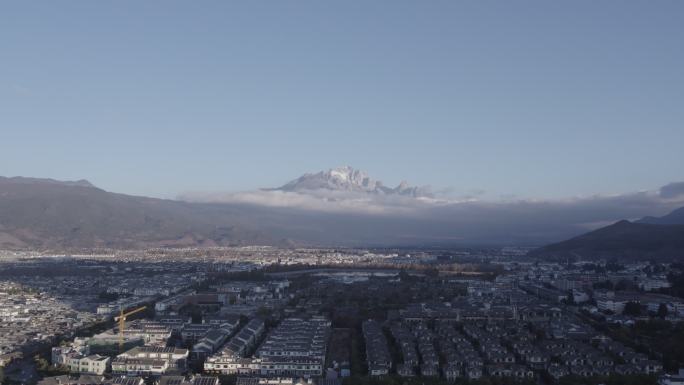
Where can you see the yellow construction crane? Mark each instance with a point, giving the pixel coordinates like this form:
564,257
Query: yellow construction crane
122,323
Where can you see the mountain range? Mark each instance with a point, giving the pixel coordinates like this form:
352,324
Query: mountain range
53,214
337,207
351,180
676,217
649,238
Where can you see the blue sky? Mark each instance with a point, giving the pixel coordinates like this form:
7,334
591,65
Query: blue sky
533,99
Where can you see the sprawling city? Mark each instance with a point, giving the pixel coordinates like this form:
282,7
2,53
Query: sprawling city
265,315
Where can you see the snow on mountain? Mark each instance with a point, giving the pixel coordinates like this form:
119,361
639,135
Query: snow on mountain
350,179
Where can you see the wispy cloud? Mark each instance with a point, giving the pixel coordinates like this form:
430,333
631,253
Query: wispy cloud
322,200
672,191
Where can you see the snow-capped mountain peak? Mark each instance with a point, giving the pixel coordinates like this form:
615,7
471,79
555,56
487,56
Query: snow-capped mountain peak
349,179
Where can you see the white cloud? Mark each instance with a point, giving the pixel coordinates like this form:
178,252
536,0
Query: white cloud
321,200
648,202
393,218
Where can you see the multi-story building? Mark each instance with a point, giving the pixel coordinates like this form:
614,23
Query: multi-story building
152,332
297,347
377,352
93,364
226,361
210,343
139,366
152,359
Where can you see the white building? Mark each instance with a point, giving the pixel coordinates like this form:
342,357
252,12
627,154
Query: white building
611,301
654,284
93,364
139,366
173,357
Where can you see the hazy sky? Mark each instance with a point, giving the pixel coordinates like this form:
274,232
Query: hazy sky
529,98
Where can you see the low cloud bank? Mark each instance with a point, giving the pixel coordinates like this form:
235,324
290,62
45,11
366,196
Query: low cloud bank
328,201
470,219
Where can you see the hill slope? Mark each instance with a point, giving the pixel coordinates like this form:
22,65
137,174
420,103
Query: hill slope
676,217
53,214
624,240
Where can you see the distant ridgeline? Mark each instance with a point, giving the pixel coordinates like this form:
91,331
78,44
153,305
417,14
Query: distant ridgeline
650,238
